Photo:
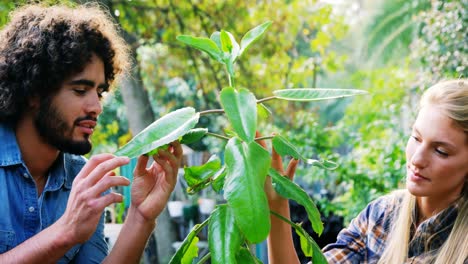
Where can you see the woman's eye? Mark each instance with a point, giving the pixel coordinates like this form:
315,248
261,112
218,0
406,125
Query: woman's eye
441,152
415,138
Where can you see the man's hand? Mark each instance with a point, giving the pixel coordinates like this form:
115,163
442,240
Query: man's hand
152,186
86,202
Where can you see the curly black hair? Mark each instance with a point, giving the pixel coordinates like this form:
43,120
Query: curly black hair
43,46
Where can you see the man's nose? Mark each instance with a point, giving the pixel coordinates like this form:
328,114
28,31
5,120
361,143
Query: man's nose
93,105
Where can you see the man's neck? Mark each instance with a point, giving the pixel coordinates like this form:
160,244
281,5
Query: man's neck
37,154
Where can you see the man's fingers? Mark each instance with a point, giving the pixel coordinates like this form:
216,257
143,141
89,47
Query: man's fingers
291,170
108,182
92,163
170,158
140,168
103,168
178,152
107,200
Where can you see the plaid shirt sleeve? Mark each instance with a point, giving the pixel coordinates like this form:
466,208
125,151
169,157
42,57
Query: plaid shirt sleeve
362,241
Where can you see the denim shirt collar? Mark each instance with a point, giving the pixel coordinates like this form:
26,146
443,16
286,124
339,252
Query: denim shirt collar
62,172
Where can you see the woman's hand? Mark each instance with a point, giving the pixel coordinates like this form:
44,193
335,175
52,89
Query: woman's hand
277,164
152,186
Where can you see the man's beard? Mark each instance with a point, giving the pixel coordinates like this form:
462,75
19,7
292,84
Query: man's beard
54,130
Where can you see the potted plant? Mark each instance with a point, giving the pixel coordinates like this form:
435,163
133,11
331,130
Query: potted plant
245,217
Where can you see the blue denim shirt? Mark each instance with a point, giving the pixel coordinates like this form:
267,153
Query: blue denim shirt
23,214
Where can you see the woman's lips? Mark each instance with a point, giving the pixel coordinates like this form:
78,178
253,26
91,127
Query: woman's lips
414,176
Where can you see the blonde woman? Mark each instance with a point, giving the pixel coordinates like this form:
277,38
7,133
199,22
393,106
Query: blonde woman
425,223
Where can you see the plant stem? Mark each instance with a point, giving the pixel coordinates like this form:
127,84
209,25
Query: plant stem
262,138
266,99
212,111
217,135
205,258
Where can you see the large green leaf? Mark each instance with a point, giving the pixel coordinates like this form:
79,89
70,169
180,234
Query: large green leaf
252,35
168,128
198,177
188,250
314,94
245,257
284,147
224,237
204,44
241,110
290,190
247,165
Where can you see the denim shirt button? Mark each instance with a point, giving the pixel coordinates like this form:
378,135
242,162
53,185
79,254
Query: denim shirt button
31,209
25,175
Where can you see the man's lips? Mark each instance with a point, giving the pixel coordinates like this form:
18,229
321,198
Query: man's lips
87,126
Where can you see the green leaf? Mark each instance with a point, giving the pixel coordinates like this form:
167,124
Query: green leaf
284,147
252,35
198,177
315,94
263,111
226,44
241,110
229,45
193,135
247,165
324,164
204,44
218,179
191,253
216,37
168,128
245,257
290,190
308,245
224,237
185,253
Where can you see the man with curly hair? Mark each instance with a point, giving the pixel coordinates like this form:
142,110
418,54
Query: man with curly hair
55,65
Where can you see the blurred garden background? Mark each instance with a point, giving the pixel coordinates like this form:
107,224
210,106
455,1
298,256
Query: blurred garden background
394,49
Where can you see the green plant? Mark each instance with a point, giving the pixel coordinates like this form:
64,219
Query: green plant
245,218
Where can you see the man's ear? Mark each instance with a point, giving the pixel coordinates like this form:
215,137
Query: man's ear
34,102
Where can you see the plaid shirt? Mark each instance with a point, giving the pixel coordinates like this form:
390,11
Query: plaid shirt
364,240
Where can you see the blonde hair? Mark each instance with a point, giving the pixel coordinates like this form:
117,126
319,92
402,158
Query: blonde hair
452,97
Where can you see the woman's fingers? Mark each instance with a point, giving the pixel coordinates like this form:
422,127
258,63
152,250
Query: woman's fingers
276,161
291,170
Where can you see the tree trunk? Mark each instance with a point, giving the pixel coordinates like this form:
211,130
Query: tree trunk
140,115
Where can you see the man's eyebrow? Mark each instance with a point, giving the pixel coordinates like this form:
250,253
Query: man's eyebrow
89,83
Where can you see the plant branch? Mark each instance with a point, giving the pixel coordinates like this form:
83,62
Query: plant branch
296,226
212,111
262,138
266,99
205,258
217,135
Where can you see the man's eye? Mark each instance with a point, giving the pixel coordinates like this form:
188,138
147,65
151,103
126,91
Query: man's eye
79,91
102,92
